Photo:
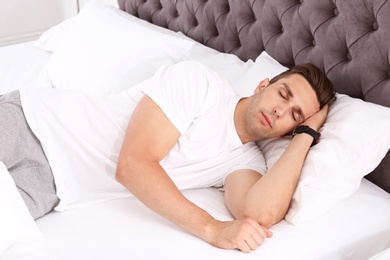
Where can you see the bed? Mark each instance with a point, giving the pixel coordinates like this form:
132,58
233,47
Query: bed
341,208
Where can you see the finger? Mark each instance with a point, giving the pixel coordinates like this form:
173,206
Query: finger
250,240
257,240
244,247
269,233
254,241
262,231
256,236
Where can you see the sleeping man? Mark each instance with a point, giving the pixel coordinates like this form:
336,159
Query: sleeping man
184,128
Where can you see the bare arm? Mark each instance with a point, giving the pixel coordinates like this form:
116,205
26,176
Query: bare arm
149,138
267,198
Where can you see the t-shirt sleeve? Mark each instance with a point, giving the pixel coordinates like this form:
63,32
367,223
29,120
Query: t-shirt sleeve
253,159
182,90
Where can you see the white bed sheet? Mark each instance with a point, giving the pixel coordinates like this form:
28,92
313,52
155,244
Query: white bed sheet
357,228
125,229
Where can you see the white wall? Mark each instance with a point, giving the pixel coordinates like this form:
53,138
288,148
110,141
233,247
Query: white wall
110,2
26,20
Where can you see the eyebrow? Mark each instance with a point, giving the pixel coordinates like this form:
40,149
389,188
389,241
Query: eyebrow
289,92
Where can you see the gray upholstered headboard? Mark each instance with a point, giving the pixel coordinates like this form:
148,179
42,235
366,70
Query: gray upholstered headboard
348,39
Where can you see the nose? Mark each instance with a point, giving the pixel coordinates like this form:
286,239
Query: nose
281,111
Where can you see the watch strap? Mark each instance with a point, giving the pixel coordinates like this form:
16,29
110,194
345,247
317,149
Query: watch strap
307,130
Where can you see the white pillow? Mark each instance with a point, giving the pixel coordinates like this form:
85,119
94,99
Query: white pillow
264,67
354,140
347,151
19,234
230,66
50,39
104,51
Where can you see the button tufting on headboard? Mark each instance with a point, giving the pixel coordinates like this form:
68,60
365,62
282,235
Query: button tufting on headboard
348,39
375,26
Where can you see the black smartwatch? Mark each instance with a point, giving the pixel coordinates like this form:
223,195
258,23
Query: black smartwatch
307,130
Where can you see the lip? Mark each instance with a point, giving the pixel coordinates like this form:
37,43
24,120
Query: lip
265,119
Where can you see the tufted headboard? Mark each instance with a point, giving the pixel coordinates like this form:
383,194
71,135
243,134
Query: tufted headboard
348,39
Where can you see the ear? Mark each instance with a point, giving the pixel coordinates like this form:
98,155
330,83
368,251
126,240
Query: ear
264,83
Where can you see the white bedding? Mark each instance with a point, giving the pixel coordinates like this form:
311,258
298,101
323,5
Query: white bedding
356,228
125,229
20,66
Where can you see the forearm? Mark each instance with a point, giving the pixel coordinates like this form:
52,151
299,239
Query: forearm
269,198
153,187
150,136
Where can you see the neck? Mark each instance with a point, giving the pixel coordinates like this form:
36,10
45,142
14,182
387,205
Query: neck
240,121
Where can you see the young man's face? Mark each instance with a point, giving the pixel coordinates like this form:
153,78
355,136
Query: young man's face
276,109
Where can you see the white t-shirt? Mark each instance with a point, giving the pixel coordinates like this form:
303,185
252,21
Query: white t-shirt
82,134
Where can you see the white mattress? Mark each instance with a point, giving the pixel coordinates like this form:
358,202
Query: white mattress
357,228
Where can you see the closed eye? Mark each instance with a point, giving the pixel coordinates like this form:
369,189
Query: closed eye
282,95
296,112
294,116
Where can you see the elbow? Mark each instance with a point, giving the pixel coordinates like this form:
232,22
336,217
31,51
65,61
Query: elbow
120,173
265,217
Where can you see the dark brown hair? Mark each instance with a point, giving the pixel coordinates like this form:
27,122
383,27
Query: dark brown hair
322,86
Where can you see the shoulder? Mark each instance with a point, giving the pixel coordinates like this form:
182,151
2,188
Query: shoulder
195,71
188,78
191,66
